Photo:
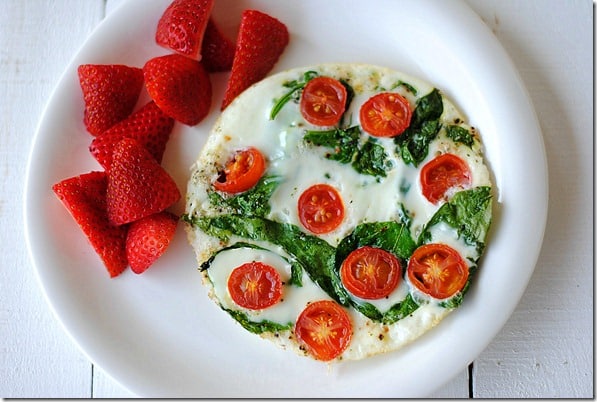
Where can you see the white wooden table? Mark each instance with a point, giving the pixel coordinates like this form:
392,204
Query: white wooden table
545,349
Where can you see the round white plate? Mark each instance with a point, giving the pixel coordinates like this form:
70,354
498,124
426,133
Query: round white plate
159,335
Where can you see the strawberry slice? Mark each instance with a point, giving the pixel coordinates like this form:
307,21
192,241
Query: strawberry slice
217,50
260,42
182,26
148,125
137,185
84,196
148,239
179,86
110,92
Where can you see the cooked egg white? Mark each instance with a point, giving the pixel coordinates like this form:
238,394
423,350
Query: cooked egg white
246,122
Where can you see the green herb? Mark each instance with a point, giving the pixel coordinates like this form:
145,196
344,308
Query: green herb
413,143
460,134
257,327
251,202
295,86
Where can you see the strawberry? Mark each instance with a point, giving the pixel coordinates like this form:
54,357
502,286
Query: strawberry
110,92
148,125
179,86
182,26
260,42
137,185
217,50
84,196
148,238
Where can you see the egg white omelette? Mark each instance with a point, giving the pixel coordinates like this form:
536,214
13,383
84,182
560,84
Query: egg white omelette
339,210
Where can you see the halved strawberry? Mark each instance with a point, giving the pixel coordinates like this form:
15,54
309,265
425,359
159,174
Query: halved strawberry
148,239
182,26
110,92
260,42
84,196
148,125
217,50
137,185
179,86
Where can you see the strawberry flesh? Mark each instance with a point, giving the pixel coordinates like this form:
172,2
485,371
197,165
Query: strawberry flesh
148,125
84,196
148,238
137,185
179,86
110,93
217,50
182,26
260,42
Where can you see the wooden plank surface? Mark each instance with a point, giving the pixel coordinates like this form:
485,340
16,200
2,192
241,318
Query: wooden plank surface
545,349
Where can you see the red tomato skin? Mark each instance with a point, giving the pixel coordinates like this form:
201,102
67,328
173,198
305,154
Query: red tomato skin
443,173
323,101
448,263
242,172
386,114
320,209
362,261
259,277
324,317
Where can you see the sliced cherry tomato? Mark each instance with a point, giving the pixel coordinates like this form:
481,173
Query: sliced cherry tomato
242,172
385,115
323,101
370,272
320,208
443,173
437,270
324,327
255,285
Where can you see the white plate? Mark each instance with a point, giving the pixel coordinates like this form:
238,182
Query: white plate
160,336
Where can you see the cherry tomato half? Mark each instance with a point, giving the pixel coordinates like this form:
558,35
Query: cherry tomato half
443,173
323,101
437,270
320,208
325,329
370,272
385,115
242,172
255,285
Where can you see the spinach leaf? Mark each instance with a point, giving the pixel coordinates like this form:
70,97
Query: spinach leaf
296,269
413,143
372,159
314,254
400,310
257,327
469,212
369,158
251,202
295,86
460,134
344,142
390,236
